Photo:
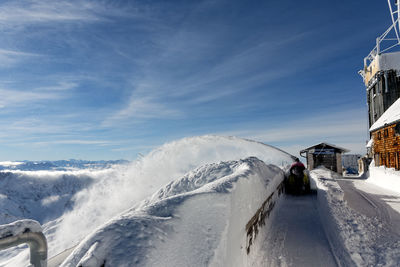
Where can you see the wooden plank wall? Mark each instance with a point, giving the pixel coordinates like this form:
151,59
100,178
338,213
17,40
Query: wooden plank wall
386,147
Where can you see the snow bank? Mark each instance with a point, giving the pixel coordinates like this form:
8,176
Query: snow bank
384,177
198,220
354,237
110,196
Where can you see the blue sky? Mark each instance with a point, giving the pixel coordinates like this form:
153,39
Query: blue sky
111,79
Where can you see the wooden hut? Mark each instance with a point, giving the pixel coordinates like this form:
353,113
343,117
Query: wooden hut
385,134
324,154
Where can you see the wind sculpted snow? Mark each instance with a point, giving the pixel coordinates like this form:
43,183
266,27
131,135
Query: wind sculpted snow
197,220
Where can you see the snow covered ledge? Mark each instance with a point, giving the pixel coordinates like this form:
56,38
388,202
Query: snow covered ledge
25,231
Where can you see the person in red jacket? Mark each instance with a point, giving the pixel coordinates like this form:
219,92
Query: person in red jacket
297,181
297,167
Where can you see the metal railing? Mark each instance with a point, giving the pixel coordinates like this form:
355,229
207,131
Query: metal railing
37,245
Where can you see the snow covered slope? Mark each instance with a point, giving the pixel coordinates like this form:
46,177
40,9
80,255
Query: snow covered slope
198,220
40,195
72,204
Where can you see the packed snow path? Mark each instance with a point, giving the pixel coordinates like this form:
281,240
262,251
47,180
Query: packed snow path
372,202
372,205
295,236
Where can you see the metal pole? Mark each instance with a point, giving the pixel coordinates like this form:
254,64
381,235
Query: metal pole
378,46
398,13
37,246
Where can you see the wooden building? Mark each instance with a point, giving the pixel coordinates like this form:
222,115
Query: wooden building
385,134
381,76
324,154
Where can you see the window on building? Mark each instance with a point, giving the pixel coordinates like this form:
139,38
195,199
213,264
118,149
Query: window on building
386,133
376,158
397,129
379,136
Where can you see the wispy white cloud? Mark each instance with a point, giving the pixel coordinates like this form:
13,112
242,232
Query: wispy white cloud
142,108
27,12
29,127
298,131
347,128
12,53
23,12
74,142
11,98
252,66
9,58
60,86
238,72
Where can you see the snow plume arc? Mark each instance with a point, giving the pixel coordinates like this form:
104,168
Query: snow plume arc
197,220
112,195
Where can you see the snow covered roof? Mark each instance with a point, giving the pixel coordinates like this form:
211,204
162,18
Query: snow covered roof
382,62
325,145
391,115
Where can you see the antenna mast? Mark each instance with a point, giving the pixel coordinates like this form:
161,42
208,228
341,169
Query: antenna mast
395,18
386,42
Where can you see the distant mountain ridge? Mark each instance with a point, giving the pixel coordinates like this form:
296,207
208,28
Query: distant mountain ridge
59,165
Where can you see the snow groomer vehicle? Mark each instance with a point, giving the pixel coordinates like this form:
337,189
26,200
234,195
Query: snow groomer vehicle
297,179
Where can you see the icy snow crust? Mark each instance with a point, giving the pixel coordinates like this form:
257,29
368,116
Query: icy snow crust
71,204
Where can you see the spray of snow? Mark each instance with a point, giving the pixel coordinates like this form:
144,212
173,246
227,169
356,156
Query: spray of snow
198,220
43,196
74,203
129,185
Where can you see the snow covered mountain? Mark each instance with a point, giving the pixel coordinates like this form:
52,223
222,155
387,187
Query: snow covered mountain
59,165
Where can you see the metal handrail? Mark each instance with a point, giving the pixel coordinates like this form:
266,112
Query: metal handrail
37,244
